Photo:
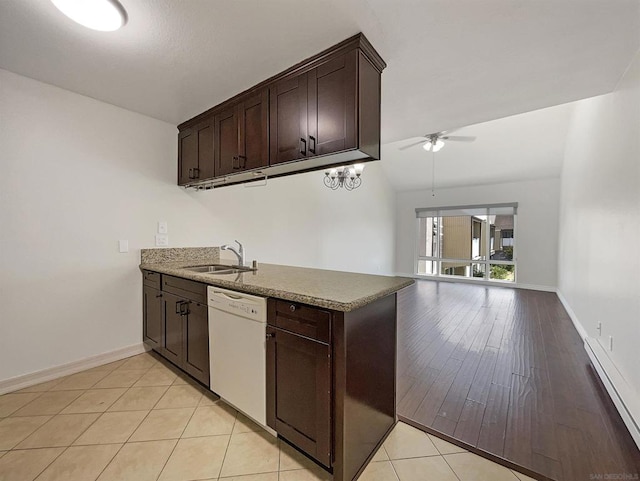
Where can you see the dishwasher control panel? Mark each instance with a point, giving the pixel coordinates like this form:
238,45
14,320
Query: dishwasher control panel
238,303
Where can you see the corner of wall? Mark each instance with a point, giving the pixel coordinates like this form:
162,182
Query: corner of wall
572,315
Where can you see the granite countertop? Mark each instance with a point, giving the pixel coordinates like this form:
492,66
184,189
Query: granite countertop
340,291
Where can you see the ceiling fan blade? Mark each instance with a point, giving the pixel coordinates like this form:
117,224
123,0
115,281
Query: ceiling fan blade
447,132
412,145
460,138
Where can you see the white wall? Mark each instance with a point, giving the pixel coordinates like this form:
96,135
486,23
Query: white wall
77,175
599,266
536,231
297,220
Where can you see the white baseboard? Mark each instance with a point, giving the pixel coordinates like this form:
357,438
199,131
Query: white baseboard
31,379
481,282
572,315
535,287
621,393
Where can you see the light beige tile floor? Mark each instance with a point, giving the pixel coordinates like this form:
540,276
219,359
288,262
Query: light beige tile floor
140,419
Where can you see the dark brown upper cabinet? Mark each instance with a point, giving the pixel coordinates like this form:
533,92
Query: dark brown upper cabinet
226,141
195,153
241,140
288,122
253,125
332,105
322,112
314,113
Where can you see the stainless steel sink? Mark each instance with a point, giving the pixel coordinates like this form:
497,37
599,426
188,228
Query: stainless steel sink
218,269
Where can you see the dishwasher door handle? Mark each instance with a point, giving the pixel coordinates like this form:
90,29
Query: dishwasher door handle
228,296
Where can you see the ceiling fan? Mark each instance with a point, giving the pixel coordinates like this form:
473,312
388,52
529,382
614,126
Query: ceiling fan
434,142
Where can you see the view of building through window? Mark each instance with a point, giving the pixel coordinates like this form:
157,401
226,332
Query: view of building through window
472,242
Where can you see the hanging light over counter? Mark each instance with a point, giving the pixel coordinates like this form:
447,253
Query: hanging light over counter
347,177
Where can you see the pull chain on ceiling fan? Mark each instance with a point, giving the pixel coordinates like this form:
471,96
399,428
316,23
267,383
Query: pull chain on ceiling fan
433,173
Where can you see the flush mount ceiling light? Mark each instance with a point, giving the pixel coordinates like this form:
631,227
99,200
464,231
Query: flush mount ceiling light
433,146
103,15
347,177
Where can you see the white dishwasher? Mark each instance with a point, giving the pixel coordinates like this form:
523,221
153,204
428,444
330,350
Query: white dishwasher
237,335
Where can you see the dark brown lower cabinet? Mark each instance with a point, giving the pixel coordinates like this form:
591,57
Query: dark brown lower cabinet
152,316
301,401
331,375
196,341
186,336
173,329
176,322
331,380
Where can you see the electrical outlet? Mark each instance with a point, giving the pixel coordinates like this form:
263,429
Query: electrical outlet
162,240
123,246
611,343
163,228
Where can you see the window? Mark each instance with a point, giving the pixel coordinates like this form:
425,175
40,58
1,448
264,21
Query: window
472,242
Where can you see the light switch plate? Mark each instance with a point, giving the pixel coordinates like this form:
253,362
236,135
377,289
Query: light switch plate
163,228
162,240
123,246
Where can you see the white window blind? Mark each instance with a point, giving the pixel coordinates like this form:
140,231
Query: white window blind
494,209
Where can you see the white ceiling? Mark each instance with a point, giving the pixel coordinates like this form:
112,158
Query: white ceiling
450,63
521,147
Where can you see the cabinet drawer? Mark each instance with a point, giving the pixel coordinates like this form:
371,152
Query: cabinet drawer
301,319
195,291
151,279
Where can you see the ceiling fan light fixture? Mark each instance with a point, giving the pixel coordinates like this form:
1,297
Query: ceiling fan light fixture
427,145
102,15
438,145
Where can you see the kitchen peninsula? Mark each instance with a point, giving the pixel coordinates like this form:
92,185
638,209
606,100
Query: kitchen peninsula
331,345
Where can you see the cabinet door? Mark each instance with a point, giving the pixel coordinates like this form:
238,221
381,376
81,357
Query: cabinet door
195,153
205,168
173,345
253,121
288,120
299,392
196,342
332,105
187,155
226,142
152,317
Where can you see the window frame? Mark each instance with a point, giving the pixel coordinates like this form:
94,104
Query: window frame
486,262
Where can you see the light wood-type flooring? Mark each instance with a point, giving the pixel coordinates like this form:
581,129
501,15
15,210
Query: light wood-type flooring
504,371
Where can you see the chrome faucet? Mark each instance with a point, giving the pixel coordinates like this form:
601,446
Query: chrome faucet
239,252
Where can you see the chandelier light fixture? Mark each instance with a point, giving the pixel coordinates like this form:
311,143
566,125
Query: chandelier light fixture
346,176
